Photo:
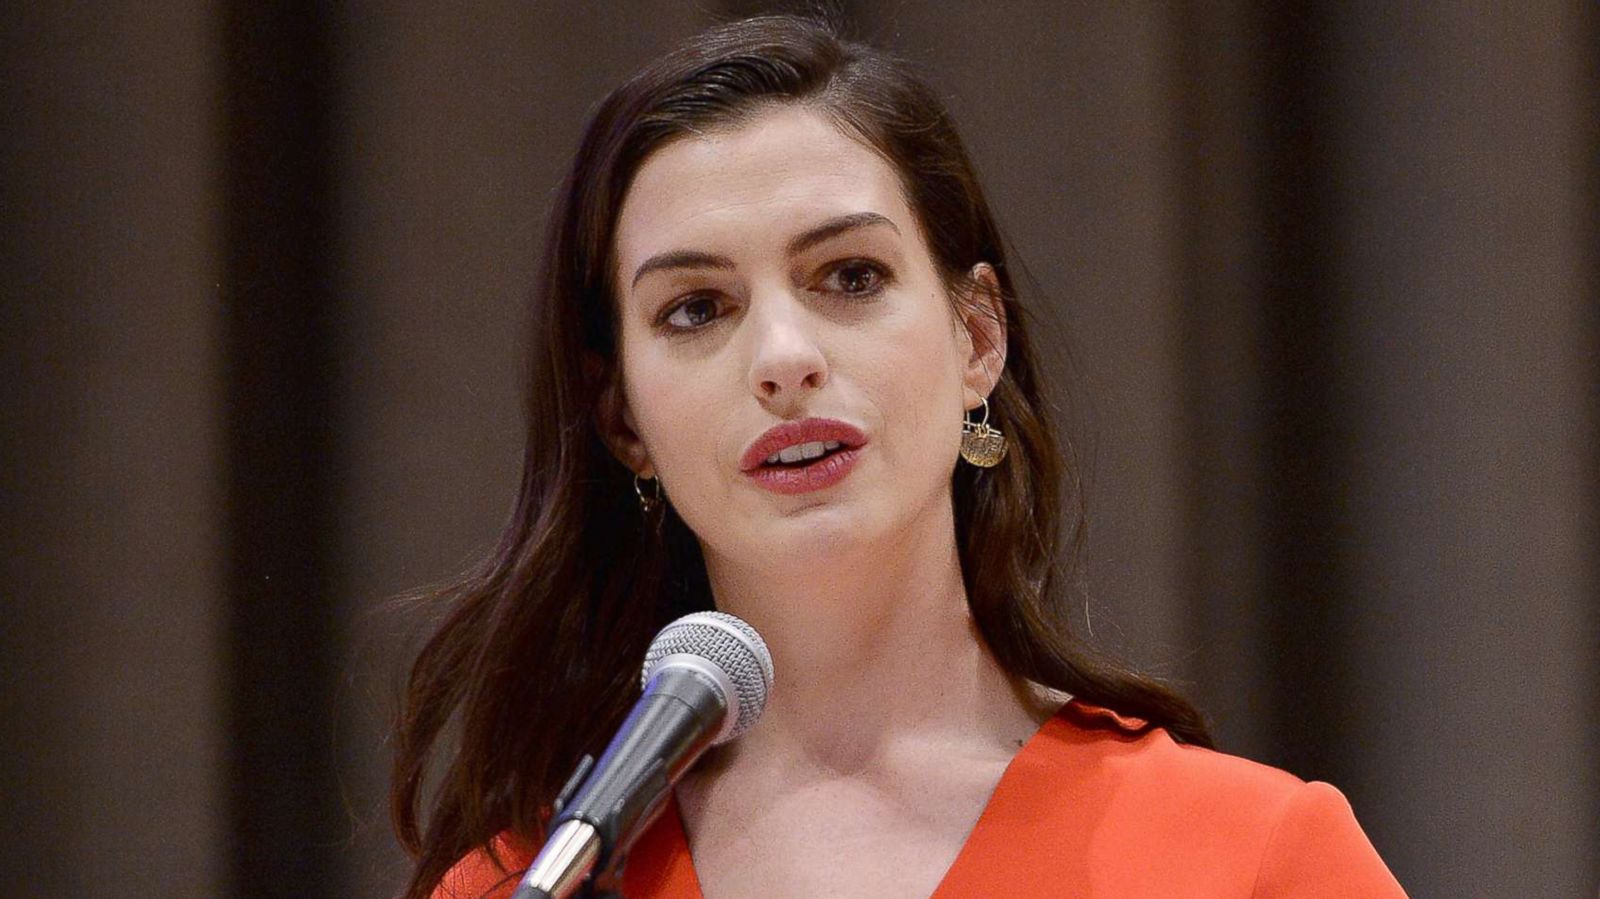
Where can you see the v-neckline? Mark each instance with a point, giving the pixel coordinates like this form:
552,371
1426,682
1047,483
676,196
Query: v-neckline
1011,789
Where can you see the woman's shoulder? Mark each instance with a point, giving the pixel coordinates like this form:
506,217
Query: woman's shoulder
1131,753
1112,783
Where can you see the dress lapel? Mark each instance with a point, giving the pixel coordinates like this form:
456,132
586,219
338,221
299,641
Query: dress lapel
1000,857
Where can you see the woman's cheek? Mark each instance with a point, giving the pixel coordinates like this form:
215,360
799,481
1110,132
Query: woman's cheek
681,437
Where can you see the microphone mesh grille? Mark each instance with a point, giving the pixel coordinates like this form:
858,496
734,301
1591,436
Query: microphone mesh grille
728,643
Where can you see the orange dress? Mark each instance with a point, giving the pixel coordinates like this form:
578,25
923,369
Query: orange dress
1094,805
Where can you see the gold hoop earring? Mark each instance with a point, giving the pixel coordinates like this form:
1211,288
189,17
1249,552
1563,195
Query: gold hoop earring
982,445
648,504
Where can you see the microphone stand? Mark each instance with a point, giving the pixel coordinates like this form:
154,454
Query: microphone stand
602,884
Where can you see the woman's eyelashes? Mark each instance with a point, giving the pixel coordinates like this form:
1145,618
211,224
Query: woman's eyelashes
852,279
858,277
692,314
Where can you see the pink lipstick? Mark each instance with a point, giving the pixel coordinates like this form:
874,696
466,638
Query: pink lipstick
803,456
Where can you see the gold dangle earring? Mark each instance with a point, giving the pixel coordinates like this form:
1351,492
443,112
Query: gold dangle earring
648,504
981,444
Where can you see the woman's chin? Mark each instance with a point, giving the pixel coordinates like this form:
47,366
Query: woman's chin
818,535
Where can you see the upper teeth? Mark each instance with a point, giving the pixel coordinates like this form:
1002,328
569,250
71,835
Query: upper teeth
802,451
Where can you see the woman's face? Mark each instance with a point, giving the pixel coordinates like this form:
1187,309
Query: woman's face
773,275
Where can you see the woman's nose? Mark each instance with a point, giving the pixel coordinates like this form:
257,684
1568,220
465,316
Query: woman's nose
787,361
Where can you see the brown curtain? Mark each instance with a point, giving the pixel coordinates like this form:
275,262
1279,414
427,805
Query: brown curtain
1324,284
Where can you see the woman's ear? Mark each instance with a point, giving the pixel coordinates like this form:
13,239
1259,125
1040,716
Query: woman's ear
983,317
614,421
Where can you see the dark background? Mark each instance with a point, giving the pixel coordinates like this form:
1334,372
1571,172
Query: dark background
1329,276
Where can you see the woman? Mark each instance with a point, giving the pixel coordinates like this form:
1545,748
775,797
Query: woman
774,311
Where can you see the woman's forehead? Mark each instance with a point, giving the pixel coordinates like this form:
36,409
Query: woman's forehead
754,186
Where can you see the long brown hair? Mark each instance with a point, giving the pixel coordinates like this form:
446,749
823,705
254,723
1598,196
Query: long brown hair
535,662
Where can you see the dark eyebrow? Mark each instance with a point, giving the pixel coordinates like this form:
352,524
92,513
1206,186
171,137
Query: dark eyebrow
801,242
834,227
681,259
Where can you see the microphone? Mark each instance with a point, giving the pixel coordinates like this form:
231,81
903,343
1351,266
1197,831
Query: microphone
706,680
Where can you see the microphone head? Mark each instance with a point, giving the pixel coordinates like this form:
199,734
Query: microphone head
732,648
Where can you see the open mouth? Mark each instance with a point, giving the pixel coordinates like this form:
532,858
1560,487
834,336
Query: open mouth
802,455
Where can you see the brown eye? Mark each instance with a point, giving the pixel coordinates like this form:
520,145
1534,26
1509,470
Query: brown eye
693,313
858,278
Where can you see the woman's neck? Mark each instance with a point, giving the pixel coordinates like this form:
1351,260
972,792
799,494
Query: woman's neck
876,654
